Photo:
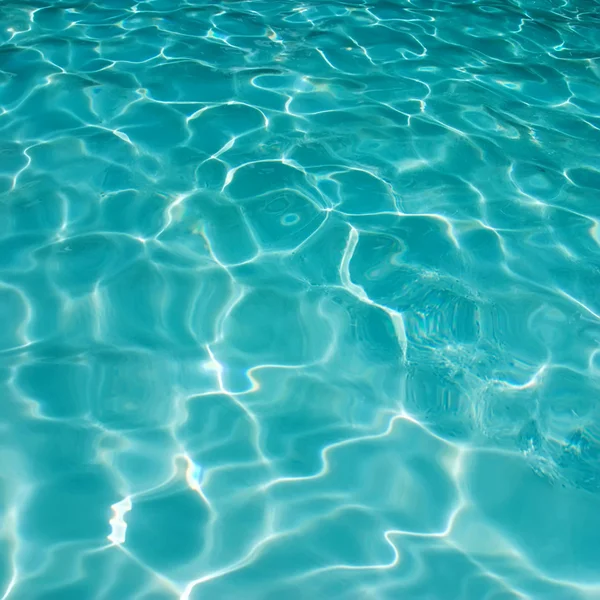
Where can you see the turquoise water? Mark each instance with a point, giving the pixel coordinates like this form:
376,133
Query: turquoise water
300,300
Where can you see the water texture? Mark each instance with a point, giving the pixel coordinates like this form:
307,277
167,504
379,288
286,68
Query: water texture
300,300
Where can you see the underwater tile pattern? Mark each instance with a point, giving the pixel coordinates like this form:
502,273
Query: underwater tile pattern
300,300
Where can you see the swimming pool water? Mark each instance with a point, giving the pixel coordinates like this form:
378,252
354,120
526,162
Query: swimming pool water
300,300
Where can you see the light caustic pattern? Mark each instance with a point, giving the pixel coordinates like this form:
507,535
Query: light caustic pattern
300,300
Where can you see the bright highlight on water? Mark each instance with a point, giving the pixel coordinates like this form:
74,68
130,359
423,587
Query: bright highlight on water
300,300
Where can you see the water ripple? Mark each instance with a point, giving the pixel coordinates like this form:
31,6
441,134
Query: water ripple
299,299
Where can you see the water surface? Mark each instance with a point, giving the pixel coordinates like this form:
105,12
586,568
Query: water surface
300,300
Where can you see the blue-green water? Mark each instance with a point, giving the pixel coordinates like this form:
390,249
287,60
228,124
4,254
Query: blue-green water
300,300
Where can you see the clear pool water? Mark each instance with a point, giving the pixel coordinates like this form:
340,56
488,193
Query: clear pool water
300,300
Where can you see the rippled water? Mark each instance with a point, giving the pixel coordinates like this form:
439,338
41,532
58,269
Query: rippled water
300,300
